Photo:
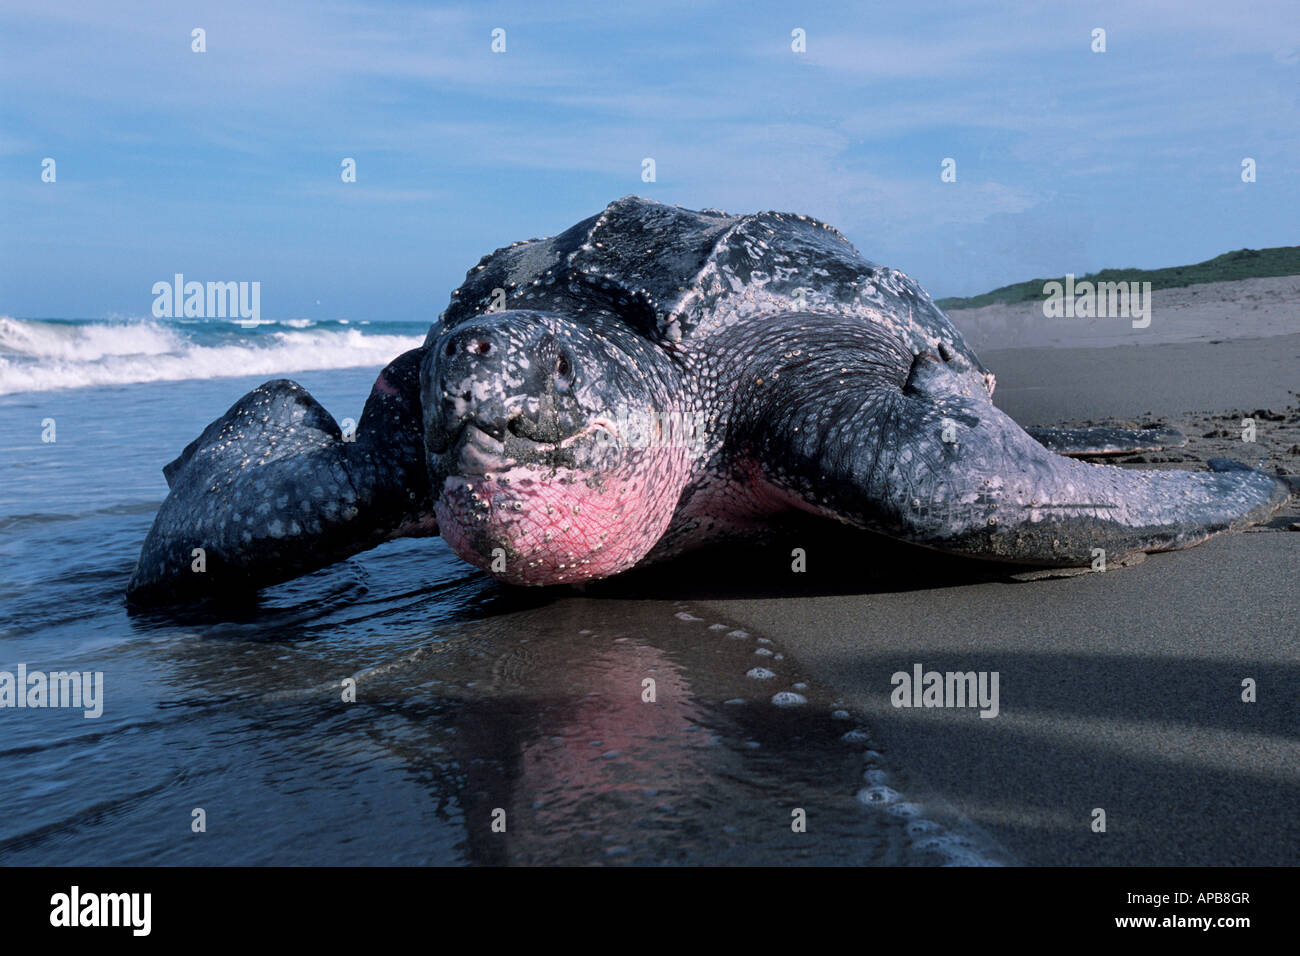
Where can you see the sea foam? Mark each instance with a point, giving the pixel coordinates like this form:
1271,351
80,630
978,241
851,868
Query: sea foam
38,355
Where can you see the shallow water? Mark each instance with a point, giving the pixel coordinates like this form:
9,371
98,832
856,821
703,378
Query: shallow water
474,701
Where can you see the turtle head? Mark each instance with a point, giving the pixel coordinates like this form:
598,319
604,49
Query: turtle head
555,444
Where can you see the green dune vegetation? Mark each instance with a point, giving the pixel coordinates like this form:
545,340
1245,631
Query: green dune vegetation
1241,264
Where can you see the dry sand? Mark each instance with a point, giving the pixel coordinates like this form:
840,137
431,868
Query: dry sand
1251,308
1119,690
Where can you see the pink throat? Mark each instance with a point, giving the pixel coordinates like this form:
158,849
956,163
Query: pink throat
538,526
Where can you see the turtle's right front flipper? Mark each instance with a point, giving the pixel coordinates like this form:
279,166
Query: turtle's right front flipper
1090,442
272,490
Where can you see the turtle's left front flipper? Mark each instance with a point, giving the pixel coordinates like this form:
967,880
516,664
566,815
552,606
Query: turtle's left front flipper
1089,442
273,489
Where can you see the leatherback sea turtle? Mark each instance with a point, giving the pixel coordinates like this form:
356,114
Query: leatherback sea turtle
652,379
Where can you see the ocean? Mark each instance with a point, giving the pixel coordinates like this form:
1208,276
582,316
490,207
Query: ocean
398,707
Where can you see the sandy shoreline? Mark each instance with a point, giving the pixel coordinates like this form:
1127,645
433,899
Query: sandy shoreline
1121,690
1254,308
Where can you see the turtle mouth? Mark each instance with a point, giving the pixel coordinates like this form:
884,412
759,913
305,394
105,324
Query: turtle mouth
476,451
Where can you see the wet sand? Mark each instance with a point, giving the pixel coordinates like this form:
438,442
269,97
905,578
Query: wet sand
1119,690
1048,386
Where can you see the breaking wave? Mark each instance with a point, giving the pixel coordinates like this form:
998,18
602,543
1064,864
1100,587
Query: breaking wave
38,355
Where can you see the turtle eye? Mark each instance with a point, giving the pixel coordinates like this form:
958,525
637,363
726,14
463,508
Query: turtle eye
563,371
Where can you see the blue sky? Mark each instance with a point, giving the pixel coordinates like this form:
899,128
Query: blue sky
225,165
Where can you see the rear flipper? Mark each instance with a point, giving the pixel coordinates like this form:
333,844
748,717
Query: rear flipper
272,490
1106,441
908,451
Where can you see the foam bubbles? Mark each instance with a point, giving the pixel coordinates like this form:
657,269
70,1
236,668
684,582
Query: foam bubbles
957,850
878,796
788,698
